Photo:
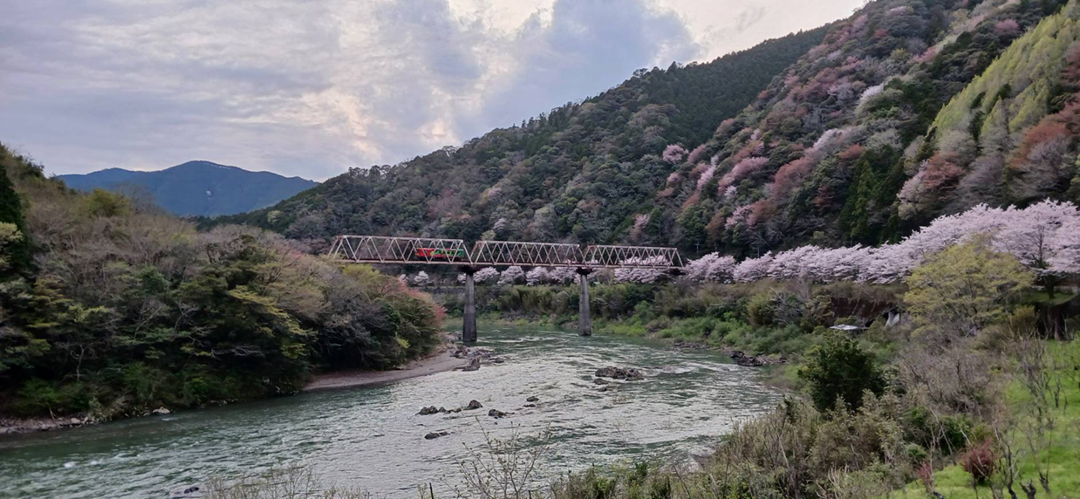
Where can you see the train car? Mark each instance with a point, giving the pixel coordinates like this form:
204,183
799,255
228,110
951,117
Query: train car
440,253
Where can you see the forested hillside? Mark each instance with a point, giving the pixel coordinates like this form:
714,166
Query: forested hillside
861,138
848,147
108,308
582,172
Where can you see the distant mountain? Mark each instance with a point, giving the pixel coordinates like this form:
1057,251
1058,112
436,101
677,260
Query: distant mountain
196,188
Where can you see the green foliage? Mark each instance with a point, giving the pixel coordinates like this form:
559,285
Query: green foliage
841,371
761,310
14,245
965,289
146,312
102,203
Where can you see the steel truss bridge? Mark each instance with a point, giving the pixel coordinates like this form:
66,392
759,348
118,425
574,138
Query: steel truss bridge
434,251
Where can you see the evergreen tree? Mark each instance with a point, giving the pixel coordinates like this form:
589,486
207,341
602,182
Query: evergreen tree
17,250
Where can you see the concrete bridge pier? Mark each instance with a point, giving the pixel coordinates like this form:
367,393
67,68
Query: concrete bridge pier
468,327
584,320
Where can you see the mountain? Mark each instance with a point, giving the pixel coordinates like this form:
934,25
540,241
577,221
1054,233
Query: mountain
196,188
855,133
580,172
858,143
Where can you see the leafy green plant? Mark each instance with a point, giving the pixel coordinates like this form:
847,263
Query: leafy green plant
840,370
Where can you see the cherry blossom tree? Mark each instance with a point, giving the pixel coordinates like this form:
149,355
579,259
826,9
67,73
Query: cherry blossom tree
641,275
562,275
674,153
752,269
710,268
512,275
421,279
740,170
537,276
481,276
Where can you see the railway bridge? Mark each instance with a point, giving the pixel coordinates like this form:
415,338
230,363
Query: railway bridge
432,251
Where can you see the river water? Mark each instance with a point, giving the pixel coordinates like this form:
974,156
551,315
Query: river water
372,437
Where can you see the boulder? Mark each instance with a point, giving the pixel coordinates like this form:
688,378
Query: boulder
161,411
534,398
749,361
473,404
429,410
495,413
474,365
623,373
435,434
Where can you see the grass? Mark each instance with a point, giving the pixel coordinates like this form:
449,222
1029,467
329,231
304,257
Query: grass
1063,455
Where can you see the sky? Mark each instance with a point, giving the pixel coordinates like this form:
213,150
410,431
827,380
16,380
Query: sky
312,88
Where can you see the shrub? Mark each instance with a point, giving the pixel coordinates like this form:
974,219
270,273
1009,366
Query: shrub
761,309
840,369
979,461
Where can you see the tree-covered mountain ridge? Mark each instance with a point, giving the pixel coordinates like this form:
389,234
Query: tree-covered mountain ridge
868,131
196,188
886,125
579,173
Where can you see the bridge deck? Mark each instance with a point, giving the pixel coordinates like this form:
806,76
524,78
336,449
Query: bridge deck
433,251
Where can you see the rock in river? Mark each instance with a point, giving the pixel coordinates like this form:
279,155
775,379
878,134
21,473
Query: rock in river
435,434
534,398
473,404
625,373
474,365
495,413
430,410
746,360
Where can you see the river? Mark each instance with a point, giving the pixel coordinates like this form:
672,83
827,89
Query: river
372,437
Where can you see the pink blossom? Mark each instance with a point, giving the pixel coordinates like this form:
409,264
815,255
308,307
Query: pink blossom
696,154
710,268
753,269
741,215
706,176
1007,27
674,153
512,275
742,169
641,275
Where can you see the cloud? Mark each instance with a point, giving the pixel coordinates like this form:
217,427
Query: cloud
308,88
588,47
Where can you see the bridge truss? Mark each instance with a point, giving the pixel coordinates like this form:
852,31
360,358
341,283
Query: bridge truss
433,251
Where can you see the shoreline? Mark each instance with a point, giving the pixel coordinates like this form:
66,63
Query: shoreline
433,364
441,361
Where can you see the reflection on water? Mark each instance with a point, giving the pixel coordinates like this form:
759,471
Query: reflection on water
371,437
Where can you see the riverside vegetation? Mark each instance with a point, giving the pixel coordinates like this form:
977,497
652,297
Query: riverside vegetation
109,308
971,394
860,132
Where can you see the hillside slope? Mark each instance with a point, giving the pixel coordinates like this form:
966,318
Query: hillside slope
841,143
582,172
196,188
108,309
824,154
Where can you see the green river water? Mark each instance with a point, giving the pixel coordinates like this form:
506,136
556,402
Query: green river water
372,437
